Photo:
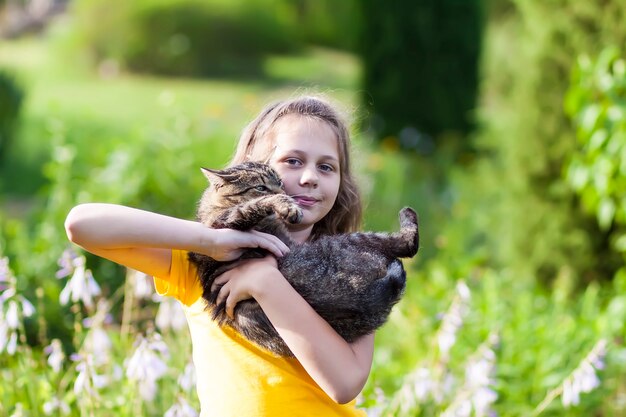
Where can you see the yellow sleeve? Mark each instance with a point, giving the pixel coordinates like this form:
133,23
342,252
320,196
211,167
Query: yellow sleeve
183,282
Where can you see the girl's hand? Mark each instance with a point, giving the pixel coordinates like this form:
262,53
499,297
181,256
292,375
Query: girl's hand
243,281
228,244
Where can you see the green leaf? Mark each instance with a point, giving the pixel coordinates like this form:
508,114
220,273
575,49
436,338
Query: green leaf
619,68
615,114
578,175
620,243
597,139
606,213
589,117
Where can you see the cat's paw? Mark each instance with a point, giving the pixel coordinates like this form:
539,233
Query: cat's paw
287,209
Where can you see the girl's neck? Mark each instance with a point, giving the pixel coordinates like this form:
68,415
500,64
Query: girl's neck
300,235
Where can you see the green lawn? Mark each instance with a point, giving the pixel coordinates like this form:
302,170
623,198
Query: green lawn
90,106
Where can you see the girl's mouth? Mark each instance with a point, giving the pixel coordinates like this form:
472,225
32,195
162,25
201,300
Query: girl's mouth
303,201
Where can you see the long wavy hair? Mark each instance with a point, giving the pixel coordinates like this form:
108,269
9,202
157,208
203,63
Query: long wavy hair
346,214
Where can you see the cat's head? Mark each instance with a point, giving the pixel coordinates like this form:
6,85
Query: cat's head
252,179
239,183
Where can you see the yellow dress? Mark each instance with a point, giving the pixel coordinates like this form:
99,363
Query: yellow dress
236,377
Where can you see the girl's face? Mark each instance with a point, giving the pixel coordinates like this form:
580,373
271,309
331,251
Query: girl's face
306,156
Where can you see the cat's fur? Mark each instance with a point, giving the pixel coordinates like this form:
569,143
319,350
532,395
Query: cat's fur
352,280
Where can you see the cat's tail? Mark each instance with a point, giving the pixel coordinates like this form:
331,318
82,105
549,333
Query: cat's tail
401,244
409,234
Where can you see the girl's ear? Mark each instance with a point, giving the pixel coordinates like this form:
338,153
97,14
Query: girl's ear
213,176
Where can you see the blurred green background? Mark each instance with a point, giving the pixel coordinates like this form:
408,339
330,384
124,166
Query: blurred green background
503,122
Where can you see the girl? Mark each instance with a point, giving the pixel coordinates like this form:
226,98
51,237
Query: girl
307,143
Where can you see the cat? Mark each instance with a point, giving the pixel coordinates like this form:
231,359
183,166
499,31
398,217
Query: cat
351,280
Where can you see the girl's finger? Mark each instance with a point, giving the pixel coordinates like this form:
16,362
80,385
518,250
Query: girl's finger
220,280
223,294
230,306
271,243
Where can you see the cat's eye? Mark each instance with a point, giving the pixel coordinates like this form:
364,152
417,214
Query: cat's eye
261,188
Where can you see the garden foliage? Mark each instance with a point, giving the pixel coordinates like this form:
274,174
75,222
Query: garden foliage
529,215
11,97
475,333
420,68
596,101
205,38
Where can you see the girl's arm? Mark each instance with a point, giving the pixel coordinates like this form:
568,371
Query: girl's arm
338,367
143,240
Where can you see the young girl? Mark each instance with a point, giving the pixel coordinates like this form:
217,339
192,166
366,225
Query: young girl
307,143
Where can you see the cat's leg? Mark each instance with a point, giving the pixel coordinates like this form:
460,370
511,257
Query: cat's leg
247,215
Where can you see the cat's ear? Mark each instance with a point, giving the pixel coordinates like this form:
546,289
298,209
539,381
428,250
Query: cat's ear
213,176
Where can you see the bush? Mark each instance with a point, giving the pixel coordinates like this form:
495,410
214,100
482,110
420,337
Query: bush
183,38
420,67
11,97
532,220
596,102
328,23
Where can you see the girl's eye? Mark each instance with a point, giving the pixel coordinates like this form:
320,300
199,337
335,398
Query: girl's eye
261,188
292,161
327,168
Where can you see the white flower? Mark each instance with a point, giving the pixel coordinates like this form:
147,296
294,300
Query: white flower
11,315
142,284
482,400
188,378
4,334
584,379
6,276
378,408
478,372
453,320
56,406
55,355
463,290
27,307
18,411
81,286
66,262
181,409
5,271
464,409
88,382
12,309
170,315
146,366
97,341
476,396
12,344
423,383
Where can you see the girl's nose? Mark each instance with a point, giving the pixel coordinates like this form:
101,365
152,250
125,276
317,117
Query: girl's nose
309,177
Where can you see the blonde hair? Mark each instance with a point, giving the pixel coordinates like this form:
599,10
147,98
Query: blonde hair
346,214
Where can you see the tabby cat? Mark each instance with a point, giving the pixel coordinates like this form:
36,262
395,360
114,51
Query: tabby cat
352,280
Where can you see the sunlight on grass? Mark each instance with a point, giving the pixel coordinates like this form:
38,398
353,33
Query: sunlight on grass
95,107
343,71
134,100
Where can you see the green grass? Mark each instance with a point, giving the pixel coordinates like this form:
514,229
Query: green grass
131,100
114,106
